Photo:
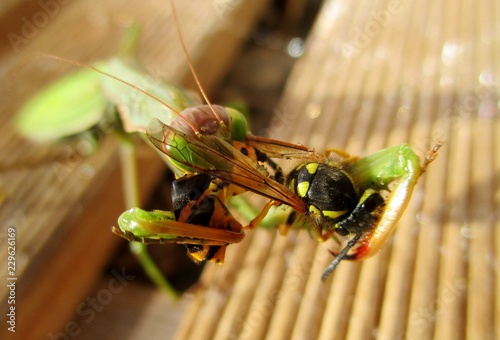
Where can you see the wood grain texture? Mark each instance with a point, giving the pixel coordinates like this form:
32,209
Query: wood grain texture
63,218
375,74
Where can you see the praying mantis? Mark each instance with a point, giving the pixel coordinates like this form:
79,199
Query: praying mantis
215,157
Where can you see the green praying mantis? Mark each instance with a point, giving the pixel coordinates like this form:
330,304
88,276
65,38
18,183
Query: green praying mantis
356,201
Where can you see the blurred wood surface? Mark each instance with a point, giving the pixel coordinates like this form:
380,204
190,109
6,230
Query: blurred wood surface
63,219
375,74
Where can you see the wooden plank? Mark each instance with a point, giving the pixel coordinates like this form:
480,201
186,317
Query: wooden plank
378,73
63,219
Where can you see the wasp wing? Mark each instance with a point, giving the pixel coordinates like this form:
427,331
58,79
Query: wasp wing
214,156
274,148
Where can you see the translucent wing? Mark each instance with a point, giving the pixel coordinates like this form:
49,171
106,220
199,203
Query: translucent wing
278,149
214,156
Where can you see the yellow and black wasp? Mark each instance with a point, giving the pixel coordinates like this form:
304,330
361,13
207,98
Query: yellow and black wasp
332,195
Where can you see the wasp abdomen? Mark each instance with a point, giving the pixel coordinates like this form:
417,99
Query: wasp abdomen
186,189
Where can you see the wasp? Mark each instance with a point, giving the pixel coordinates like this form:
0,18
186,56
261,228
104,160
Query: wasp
331,194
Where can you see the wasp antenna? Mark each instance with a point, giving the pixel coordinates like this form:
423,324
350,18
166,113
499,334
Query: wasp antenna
80,64
342,255
191,67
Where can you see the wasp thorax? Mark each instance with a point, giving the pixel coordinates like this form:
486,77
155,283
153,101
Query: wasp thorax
327,190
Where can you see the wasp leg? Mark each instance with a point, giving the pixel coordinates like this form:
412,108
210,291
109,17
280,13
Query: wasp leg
261,157
258,219
284,228
278,172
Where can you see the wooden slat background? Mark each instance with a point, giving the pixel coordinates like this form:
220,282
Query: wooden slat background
63,219
375,74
